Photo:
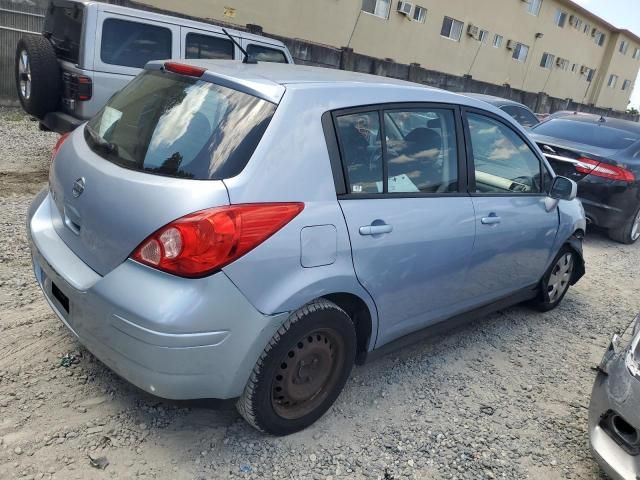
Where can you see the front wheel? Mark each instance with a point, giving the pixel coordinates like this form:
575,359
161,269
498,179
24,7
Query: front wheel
302,370
555,283
629,232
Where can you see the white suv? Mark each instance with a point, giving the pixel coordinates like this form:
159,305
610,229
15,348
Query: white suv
90,50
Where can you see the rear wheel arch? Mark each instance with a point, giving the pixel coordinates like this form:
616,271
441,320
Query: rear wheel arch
359,313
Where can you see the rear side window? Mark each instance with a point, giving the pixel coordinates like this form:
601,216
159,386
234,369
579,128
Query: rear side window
179,126
133,44
504,163
597,135
63,28
207,46
265,54
523,116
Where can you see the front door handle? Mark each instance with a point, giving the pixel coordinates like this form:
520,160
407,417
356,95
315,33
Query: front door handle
375,229
492,219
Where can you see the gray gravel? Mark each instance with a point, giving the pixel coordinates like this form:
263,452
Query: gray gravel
504,397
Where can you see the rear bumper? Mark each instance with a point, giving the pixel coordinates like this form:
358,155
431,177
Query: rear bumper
173,337
615,391
608,204
60,122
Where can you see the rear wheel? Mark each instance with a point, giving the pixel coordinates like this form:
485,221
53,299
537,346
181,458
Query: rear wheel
629,232
37,75
302,370
555,283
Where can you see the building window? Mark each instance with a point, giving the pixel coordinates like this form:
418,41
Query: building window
626,84
419,14
600,38
577,23
483,36
613,81
587,28
574,67
560,18
590,74
562,63
624,47
636,54
547,60
520,52
379,8
534,7
497,41
452,28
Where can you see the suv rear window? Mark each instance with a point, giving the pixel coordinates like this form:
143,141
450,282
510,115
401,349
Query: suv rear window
265,54
178,126
133,44
596,135
63,28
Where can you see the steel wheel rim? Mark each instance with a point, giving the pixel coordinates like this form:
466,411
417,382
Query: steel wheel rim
560,277
24,75
635,229
307,373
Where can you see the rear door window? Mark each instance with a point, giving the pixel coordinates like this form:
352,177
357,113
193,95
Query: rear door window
208,46
260,53
179,126
63,28
504,162
133,44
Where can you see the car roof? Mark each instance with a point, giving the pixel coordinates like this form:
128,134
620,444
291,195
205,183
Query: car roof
592,118
497,101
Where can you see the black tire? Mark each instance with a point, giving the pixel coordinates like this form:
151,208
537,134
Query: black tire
317,327
629,232
547,299
43,94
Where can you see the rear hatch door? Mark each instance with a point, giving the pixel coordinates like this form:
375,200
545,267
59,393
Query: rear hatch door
159,150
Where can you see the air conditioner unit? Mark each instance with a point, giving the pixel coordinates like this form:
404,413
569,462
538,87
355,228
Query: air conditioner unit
559,61
404,7
583,70
473,30
511,44
593,32
573,20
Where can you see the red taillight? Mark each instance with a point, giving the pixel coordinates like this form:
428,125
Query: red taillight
183,69
57,146
84,88
589,166
202,242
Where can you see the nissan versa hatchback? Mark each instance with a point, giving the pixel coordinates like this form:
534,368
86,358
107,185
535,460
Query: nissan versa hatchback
226,230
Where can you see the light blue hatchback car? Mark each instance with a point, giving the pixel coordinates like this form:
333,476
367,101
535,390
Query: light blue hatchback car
225,230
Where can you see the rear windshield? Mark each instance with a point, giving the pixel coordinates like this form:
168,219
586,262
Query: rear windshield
63,28
179,126
597,135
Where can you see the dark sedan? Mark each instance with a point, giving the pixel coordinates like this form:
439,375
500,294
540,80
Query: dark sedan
603,156
521,113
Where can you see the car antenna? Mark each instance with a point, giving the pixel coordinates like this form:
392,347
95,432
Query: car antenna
246,58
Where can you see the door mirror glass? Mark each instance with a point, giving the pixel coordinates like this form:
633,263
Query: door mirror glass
563,188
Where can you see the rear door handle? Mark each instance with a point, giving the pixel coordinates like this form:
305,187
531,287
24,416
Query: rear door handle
375,229
492,219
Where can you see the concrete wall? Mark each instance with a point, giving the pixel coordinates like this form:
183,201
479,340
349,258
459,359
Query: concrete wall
342,23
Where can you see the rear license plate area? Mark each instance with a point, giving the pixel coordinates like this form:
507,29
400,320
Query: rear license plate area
62,299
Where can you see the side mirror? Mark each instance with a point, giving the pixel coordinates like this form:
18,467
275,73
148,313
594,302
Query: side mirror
563,188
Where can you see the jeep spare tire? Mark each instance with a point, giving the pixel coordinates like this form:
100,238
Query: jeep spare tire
37,75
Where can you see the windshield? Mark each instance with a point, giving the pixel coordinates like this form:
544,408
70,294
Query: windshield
63,28
179,126
597,135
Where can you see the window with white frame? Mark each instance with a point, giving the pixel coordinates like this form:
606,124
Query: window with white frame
452,28
497,40
547,60
624,47
626,84
574,68
577,23
483,35
599,38
587,28
613,81
636,54
419,14
534,7
590,74
379,8
520,52
560,18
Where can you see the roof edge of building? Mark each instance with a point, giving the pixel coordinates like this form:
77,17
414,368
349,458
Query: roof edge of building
610,26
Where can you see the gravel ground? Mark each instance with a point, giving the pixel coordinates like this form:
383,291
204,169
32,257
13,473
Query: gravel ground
504,397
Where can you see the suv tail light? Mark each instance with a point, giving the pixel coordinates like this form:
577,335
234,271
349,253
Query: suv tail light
202,242
589,166
77,87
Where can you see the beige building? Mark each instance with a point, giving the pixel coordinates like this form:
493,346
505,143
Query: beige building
551,46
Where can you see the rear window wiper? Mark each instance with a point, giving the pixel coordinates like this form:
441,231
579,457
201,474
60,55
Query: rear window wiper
101,142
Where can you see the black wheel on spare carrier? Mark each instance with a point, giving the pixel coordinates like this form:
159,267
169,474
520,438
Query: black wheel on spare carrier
37,75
